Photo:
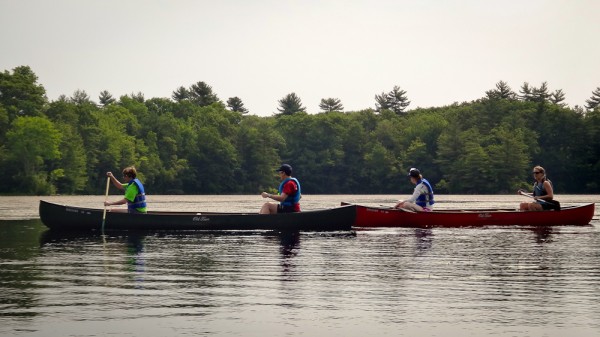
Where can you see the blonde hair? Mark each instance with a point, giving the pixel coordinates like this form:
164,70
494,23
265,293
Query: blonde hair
540,169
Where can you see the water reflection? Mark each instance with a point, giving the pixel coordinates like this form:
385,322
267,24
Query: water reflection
543,234
50,237
503,281
136,263
290,243
289,246
424,238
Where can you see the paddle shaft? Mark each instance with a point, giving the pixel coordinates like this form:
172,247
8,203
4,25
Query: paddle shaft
105,200
532,197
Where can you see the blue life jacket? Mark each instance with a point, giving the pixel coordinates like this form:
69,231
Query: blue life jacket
291,199
140,199
425,200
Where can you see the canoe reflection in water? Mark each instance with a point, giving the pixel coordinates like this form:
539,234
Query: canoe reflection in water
135,256
424,238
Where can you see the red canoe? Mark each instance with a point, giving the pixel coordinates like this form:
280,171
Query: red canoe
370,216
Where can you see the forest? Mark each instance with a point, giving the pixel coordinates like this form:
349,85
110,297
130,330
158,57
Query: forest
195,143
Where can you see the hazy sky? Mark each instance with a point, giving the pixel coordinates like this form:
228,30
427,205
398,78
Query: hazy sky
440,52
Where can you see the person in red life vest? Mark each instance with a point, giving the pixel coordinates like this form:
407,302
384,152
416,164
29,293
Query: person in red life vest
289,194
135,196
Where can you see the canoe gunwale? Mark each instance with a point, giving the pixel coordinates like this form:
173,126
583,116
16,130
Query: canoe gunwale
67,217
378,216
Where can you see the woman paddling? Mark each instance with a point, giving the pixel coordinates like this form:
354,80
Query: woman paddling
543,193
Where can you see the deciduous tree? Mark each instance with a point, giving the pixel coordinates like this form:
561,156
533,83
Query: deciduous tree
31,141
20,94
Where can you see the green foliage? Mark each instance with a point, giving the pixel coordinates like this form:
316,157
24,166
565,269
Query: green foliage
236,104
395,100
594,101
202,94
180,94
502,91
69,174
192,143
81,97
331,104
290,104
106,98
257,153
20,94
29,142
4,123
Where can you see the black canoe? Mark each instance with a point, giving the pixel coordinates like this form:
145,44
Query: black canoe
63,217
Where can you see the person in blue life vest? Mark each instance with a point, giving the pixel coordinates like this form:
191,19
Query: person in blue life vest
422,198
543,193
289,194
135,196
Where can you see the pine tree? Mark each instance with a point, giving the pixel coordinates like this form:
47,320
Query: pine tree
397,100
394,100
331,104
290,104
381,102
557,97
236,104
526,93
594,101
180,94
502,91
202,94
106,98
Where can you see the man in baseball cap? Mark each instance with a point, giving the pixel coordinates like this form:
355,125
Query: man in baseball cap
422,198
289,194
285,168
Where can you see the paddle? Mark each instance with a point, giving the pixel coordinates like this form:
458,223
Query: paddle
397,209
105,200
554,203
531,196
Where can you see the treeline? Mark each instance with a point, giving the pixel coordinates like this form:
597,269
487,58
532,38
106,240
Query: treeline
193,143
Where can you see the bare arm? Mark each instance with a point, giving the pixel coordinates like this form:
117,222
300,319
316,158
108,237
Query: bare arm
275,197
115,181
119,202
549,192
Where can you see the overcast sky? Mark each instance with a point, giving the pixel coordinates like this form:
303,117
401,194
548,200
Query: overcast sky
440,52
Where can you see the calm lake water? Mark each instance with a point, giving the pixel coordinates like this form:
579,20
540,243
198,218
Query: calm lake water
492,281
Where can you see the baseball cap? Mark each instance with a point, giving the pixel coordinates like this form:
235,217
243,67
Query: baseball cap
285,168
413,172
